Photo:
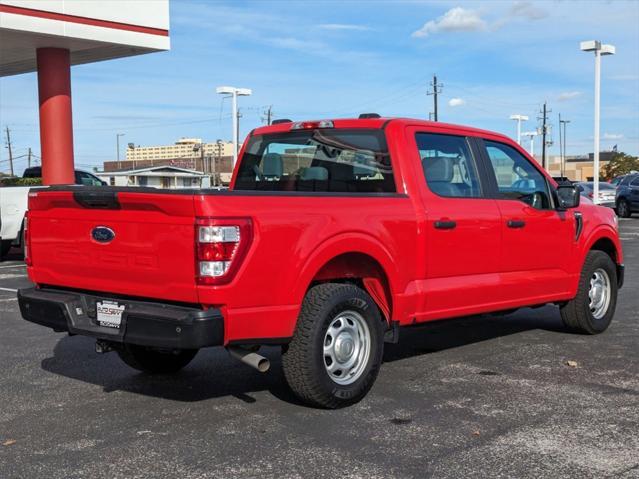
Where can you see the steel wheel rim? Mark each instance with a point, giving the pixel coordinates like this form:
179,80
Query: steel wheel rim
622,208
347,347
599,293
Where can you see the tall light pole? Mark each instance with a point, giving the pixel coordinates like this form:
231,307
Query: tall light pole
234,92
562,126
531,135
519,119
117,146
599,49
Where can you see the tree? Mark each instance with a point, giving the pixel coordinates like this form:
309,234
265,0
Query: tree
620,164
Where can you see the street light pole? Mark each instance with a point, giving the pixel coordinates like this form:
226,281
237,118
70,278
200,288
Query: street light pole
234,92
519,119
599,50
531,135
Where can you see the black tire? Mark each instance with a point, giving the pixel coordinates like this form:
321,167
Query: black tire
623,209
303,360
152,361
576,313
5,246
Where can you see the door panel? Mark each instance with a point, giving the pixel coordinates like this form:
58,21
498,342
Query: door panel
537,240
463,231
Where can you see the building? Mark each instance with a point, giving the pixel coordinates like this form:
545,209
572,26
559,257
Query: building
167,177
183,148
188,153
577,168
51,36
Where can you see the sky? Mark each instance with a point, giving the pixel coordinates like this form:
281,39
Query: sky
330,59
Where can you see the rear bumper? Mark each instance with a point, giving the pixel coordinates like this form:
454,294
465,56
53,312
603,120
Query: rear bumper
143,322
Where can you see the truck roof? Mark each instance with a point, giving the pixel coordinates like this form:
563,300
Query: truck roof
382,123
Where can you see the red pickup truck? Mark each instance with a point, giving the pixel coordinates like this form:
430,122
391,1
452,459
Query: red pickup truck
333,235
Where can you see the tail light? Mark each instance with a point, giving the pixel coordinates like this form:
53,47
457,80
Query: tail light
26,239
310,125
221,245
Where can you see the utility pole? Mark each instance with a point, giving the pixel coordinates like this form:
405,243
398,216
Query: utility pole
544,131
519,119
237,127
29,159
269,115
436,90
10,150
117,145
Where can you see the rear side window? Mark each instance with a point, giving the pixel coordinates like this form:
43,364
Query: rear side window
448,165
635,182
321,160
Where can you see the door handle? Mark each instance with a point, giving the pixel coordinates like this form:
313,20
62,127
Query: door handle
445,224
516,223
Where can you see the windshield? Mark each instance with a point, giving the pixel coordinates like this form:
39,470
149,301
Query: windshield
320,160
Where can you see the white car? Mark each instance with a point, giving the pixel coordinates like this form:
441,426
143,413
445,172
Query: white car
13,205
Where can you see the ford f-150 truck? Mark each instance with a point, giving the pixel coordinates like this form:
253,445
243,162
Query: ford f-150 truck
332,236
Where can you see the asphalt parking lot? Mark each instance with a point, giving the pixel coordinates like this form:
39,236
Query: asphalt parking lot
484,396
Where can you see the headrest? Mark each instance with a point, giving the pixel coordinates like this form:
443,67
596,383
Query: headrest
317,173
272,165
438,168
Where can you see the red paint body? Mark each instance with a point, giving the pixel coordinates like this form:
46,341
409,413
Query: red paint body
56,125
413,271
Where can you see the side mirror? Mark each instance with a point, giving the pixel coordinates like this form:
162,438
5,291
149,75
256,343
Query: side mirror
568,196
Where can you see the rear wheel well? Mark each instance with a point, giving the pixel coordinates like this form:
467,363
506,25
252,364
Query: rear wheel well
363,271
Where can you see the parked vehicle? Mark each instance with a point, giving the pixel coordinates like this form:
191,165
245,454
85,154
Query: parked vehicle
81,177
628,196
607,192
333,235
13,205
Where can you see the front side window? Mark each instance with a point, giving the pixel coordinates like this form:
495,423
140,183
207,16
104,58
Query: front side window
635,182
448,165
320,160
516,177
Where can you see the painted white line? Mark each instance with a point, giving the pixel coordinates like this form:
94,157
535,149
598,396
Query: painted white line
13,266
8,299
9,289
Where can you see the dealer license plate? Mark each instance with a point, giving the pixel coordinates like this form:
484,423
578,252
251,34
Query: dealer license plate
109,313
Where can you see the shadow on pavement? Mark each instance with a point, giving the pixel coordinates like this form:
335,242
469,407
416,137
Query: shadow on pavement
213,374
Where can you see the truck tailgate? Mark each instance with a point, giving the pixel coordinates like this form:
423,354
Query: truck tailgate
151,252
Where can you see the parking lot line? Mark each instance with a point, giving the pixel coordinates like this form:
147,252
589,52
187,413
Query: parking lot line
13,266
9,289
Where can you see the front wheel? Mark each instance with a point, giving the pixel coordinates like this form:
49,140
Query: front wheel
591,311
623,209
153,361
336,351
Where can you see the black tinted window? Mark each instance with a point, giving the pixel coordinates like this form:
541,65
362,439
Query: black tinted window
635,182
448,165
317,160
516,177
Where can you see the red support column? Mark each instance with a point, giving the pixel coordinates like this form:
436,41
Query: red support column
56,127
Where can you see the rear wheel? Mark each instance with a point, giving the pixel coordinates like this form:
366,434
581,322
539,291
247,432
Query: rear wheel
591,311
154,361
5,246
623,209
336,351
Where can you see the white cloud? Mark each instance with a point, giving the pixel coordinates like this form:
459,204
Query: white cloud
527,10
568,95
612,136
456,19
344,26
456,102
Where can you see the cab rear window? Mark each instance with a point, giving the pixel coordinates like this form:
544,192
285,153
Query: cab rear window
320,160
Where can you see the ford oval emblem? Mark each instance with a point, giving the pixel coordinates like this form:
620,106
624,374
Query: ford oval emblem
102,234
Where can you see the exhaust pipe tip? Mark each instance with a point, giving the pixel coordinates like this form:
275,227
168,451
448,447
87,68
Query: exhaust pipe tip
250,358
